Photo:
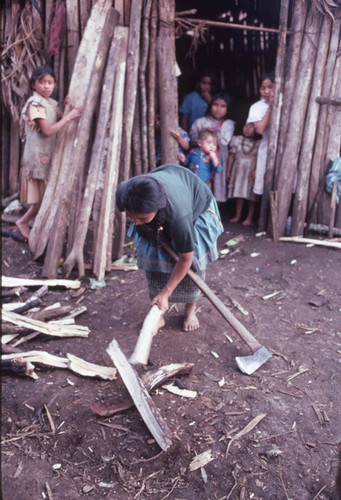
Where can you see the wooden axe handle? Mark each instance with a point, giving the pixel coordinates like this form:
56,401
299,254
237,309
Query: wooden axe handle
239,328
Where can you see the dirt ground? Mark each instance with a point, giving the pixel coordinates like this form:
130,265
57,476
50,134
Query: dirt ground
272,435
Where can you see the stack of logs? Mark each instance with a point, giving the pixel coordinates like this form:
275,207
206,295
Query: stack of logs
109,82
305,133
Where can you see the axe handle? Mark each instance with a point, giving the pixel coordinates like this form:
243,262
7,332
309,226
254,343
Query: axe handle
239,328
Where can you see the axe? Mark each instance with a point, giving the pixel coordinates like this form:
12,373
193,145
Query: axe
260,354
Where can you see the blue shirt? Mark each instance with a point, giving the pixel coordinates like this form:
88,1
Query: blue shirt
194,106
201,165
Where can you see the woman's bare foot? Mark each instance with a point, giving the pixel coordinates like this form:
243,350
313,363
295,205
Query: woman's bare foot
191,321
235,219
23,228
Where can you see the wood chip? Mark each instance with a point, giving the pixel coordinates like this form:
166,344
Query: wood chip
201,460
186,393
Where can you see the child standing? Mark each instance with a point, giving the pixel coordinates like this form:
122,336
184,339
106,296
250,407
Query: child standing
259,115
203,160
241,171
41,114
216,120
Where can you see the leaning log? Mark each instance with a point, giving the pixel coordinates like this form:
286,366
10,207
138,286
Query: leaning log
141,398
76,255
102,252
274,119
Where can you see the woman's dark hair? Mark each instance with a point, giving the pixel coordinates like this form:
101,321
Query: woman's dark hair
41,71
221,95
267,75
141,195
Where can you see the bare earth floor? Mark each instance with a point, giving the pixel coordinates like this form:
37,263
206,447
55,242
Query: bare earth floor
273,435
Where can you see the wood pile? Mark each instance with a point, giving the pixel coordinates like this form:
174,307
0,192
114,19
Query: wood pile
19,328
305,129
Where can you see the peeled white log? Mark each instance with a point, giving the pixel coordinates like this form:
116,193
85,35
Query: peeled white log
144,342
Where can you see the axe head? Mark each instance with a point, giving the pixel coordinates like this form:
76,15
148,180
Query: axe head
249,364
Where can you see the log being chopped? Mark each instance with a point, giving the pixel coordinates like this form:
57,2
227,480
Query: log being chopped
143,402
147,332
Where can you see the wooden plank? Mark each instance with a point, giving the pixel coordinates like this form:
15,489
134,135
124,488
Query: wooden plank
7,281
308,241
141,397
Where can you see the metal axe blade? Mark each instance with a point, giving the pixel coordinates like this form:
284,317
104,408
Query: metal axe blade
249,364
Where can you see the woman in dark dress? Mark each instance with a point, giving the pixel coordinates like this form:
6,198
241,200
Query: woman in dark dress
170,204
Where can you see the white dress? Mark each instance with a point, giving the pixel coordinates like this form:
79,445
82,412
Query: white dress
225,133
256,113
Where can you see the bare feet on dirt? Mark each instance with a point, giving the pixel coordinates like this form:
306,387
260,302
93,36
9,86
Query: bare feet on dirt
191,321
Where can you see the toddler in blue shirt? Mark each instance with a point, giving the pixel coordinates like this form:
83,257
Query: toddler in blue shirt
203,160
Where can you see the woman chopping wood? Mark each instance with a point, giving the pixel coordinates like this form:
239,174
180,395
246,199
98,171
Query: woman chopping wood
171,205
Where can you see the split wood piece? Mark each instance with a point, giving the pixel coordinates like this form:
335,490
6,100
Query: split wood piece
61,170
71,362
299,239
147,332
50,313
103,243
143,402
150,379
124,267
7,281
33,301
88,369
18,367
40,326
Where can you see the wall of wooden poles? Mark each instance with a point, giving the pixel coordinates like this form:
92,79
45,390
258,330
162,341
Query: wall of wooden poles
119,64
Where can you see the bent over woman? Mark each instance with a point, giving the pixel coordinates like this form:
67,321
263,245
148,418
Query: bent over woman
172,205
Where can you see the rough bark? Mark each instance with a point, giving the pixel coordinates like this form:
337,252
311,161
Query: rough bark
167,82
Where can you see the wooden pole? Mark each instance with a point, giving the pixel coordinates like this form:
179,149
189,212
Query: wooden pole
151,87
293,55
275,117
167,82
309,133
142,85
72,37
219,24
